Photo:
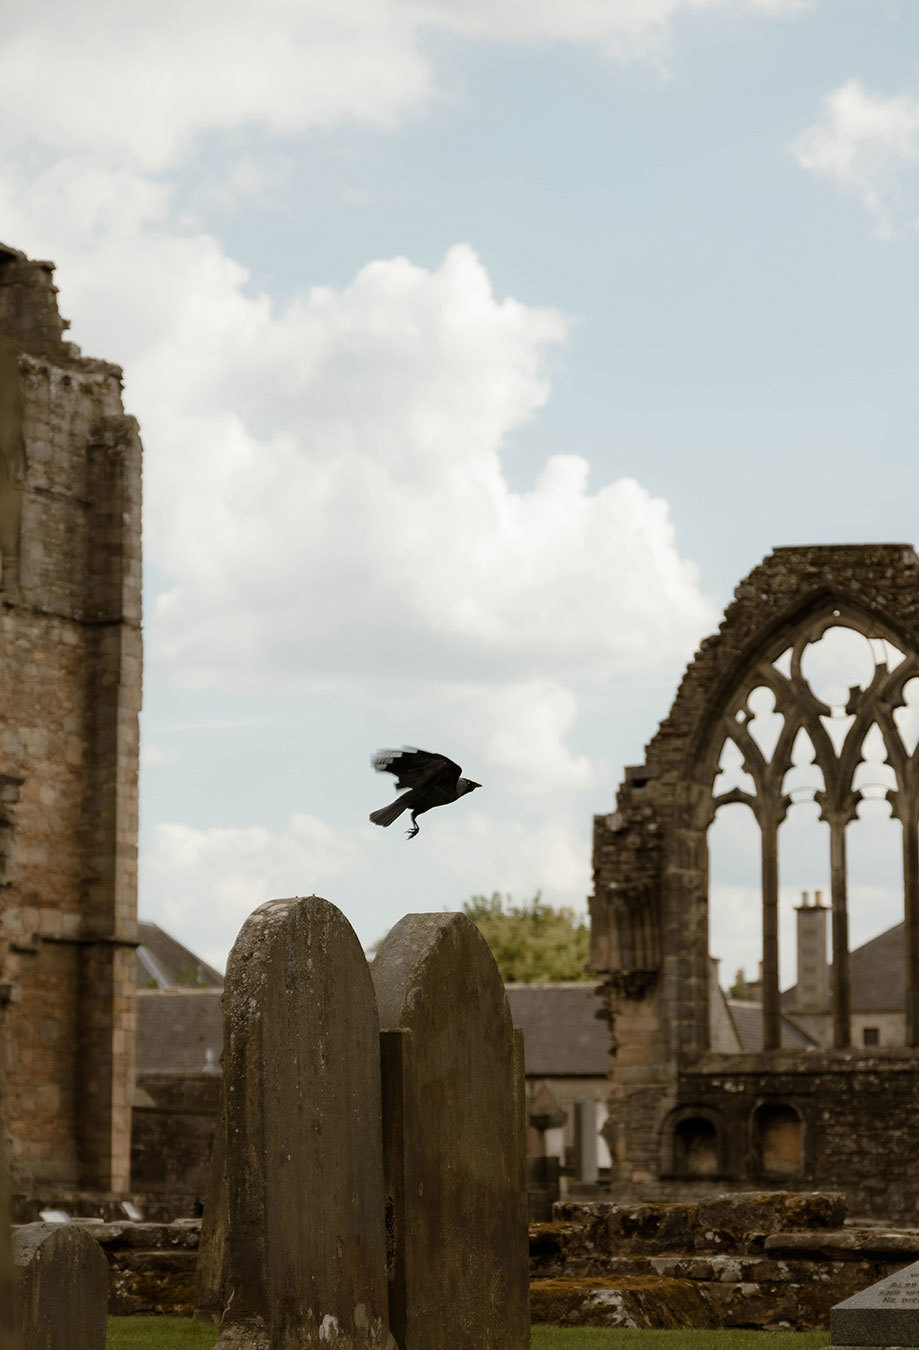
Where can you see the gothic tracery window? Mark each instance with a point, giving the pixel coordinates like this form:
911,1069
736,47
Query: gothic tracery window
793,733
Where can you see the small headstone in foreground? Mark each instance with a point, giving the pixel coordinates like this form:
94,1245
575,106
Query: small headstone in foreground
884,1314
305,1235
63,1287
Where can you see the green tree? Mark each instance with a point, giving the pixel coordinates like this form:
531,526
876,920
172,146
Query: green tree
532,941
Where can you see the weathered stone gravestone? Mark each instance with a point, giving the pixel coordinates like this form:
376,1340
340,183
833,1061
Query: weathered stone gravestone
63,1287
211,1265
886,1313
304,1169
9,1326
454,1140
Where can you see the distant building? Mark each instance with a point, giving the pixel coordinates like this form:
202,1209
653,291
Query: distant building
877,974
566,1055
163,963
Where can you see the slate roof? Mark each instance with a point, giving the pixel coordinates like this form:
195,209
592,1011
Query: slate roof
748,1023
163,963
877,973
562,1035
176,1028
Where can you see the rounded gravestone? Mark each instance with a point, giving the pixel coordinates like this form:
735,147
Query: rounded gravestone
455,1144
305,1210
63,1287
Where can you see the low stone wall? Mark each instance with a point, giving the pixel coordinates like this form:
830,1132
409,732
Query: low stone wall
151,1265
172,1131
773,1260
763,1261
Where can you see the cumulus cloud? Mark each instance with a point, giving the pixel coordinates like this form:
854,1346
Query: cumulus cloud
203,883
283,66
868,145
328,494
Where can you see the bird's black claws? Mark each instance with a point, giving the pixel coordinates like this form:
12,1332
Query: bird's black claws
410,834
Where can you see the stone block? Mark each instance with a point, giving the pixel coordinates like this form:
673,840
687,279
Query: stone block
632,1302
62,1276
455,1140
303,1142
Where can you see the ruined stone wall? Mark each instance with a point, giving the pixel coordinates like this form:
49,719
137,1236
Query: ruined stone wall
70,666
174,1123
859,1130
649,909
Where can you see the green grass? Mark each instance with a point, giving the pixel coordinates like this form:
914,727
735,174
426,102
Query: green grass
159,1333
602,1338
177,1333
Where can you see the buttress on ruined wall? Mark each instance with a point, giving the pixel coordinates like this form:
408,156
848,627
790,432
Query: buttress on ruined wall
683,1118
70,532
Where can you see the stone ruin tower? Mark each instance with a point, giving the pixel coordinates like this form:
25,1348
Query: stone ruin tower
683,1115
70,663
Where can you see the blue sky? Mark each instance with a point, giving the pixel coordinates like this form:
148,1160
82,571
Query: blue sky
479,350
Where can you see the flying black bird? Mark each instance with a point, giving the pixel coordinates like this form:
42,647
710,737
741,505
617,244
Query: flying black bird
431,780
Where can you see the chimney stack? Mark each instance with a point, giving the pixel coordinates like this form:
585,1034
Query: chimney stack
813,970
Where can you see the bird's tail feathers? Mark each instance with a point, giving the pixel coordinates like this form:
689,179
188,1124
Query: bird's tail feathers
387,814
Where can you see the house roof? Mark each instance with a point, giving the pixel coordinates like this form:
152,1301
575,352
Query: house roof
563,1034
748,1023
163,963
563,1037
178,1030
877,975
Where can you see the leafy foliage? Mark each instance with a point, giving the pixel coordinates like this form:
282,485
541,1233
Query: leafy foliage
532,941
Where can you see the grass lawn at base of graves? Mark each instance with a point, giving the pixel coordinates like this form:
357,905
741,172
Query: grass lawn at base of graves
605,1338
159,1333
179,1333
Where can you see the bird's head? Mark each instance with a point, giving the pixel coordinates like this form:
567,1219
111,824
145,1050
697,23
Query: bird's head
466,785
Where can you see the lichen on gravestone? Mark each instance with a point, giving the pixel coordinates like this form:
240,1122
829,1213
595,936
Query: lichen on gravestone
62,1278
305,1246
454,1140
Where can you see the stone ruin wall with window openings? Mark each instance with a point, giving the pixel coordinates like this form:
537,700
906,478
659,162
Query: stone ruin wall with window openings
683,1118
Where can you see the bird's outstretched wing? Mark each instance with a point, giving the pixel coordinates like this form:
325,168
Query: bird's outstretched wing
414,768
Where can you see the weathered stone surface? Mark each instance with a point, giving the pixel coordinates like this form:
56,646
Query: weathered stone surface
681,1118
152,1283
887,1313
647,1301
9,1326
455,1140
211,1273
305,1234
744,1279
846,1244
63,1287
70,664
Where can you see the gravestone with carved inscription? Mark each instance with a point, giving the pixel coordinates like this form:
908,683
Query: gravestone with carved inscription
884,1314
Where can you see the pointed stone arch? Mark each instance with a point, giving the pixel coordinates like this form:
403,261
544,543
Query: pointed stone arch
649,909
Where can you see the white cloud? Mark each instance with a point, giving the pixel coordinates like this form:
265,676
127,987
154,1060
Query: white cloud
526,726
868,146
327,491
152,756
137,84
201,884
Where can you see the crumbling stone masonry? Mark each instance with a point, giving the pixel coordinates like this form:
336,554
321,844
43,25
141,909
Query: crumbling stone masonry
70,587
684,1119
